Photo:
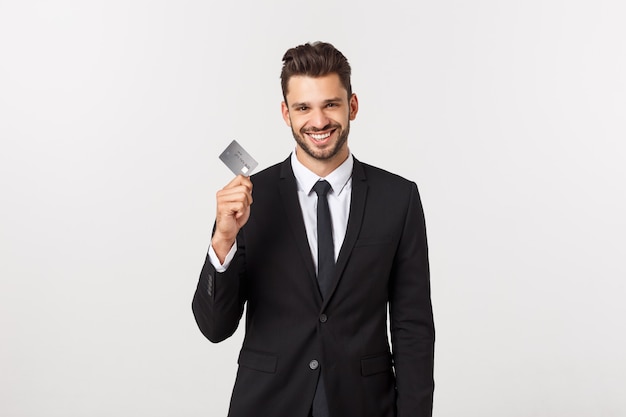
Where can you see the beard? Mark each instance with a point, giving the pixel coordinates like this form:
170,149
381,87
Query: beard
330,151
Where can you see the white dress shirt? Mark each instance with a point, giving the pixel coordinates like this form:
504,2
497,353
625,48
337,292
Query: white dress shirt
338,202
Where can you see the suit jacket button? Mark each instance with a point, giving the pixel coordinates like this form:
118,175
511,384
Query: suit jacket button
314,364
323,318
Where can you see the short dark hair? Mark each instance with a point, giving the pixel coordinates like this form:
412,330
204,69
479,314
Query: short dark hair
315,59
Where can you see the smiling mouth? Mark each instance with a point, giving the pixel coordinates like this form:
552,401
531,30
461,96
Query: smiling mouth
320,137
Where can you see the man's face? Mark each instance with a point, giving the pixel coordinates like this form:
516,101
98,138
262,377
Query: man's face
319,111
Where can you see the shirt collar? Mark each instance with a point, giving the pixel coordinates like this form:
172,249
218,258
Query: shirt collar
306,179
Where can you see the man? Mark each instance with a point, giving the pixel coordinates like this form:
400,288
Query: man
317,288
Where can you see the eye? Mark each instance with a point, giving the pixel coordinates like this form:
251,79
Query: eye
301,108
331,105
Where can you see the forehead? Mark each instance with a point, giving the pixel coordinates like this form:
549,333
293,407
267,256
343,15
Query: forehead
305,88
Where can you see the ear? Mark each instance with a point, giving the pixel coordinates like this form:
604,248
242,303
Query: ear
354,106
285,111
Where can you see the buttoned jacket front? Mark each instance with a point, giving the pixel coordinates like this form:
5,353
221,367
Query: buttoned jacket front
292,334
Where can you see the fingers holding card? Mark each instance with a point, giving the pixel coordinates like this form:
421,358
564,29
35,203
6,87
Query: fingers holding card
234,200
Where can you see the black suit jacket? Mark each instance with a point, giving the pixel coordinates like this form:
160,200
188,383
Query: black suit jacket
383,263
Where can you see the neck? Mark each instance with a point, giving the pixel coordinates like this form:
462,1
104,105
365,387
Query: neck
321,167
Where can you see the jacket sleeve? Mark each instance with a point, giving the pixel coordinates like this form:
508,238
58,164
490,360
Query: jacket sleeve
412,326
219,298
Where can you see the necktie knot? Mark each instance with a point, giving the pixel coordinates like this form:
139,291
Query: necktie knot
321,188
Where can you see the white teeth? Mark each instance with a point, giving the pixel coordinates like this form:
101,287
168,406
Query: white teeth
319,137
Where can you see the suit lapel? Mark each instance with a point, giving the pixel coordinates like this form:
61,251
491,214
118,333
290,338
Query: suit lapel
355,219
289,194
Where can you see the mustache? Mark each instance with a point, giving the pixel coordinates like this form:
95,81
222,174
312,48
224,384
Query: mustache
315,130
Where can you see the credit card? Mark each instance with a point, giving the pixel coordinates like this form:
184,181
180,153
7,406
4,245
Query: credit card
237,159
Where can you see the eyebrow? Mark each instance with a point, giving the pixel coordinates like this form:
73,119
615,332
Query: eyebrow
306,104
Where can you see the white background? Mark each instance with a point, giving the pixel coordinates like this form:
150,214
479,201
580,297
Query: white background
510,116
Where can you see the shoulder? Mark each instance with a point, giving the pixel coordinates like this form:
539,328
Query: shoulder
272,173
273,179
379,177
395,195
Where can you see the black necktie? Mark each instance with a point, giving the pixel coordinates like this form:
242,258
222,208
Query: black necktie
325,247
325,267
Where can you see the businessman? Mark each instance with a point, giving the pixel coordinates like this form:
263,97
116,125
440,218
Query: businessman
321,247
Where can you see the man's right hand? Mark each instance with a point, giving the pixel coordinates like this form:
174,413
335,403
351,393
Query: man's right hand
233,211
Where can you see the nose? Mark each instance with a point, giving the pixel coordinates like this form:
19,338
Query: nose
319,119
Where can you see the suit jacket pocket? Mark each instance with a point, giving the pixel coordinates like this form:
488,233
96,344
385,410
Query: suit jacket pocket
375,364
257,361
